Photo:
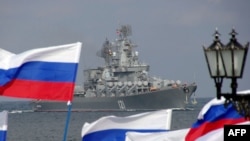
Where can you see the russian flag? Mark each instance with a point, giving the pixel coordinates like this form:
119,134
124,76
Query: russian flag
3,125
113,128
45,73
211,120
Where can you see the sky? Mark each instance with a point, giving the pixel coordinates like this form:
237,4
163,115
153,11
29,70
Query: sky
169,33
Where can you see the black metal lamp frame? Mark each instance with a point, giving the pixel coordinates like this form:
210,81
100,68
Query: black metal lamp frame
240,101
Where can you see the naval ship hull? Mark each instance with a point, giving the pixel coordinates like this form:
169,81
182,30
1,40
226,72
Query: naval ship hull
154,100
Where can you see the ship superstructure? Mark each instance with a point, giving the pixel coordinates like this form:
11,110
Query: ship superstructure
123,73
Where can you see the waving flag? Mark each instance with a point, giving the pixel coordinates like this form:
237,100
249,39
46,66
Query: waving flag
3,125
175,135
211,120
115,128
44,73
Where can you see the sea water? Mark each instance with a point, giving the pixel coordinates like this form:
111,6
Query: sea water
24,125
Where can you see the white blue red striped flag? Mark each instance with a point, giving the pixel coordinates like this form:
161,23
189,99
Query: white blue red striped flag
211,120
3,125
44,73
115,128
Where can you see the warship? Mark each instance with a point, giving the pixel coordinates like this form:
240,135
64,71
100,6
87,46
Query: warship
123,83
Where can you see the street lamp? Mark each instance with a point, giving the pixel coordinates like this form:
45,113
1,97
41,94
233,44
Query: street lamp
214,62
228,61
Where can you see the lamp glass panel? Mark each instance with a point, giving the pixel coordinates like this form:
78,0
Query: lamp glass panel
238,62
233,59
215,63
227,60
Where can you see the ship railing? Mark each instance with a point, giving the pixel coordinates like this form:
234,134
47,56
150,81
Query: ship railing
139,65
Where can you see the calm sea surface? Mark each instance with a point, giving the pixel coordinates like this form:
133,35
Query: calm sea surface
49,126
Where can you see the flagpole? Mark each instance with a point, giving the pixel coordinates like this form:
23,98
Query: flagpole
67,121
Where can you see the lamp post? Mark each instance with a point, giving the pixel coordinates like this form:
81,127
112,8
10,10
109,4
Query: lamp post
228,61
